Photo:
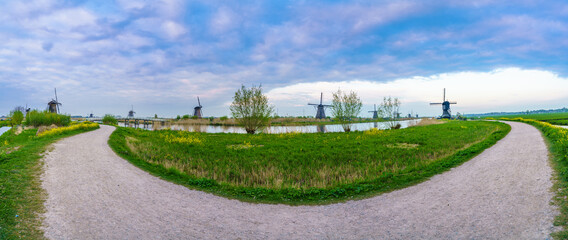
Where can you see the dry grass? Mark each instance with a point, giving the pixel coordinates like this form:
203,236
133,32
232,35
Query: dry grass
429,121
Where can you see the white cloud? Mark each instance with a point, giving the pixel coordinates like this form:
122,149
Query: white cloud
474,91
66,19
224,19
172,29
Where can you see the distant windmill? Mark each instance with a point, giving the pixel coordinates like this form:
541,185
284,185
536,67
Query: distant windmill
446,112
197,109
53,105
375,112
131,112
320,108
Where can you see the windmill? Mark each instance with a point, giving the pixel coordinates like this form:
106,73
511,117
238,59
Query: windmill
131,112
320,108
446,112
375,112
197,109
53,105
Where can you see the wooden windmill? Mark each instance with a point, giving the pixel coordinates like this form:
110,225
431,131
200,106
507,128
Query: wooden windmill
446,112
320,108
197,109
375,112
53,105
131,112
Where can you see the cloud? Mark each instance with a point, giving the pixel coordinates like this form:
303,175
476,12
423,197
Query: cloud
508,88
173,30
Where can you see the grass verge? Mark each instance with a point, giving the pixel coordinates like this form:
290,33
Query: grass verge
21,195
305,168
557,139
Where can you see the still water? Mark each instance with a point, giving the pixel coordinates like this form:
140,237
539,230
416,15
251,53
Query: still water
4,129
285,129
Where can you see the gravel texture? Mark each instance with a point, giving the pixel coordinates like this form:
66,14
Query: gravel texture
504,193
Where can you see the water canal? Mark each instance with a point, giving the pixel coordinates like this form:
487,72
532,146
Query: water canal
280,129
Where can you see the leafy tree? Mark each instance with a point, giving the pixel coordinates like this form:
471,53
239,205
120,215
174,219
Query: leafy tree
251,109
185,116
17,118
178,117
389,110
110,120
344,107
155,115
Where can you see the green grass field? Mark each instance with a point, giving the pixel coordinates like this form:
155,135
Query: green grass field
300,168
21,195
552,118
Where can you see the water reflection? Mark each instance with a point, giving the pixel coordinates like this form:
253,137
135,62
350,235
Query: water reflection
282,129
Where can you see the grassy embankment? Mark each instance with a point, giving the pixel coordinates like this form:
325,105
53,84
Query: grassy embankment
305,168
557,139
21,195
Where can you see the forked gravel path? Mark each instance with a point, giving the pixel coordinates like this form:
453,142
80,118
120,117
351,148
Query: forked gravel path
504,193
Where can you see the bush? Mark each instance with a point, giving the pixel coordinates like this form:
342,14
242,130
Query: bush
109,120
17,118
36,118
223,118
186,116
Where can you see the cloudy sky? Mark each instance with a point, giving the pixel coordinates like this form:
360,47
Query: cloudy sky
104,56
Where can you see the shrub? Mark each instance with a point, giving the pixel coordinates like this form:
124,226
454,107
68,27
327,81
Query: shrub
110,120
17,118
223,118
36,118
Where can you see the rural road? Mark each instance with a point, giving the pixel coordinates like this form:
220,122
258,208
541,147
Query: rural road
504,193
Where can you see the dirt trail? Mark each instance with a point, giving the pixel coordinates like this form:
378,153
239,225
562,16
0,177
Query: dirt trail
501,194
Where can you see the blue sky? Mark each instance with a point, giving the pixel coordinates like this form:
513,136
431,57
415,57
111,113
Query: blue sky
104,56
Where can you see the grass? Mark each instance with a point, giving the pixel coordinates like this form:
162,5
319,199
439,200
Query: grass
4,123
305,168
552,118
557,139
36,118
21,195
281,121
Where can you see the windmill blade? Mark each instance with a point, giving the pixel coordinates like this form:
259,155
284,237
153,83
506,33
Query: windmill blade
453,102
56,101
198,102
321,98
435,103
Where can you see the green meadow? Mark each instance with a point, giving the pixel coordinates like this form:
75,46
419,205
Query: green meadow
552,118
306,168
21,195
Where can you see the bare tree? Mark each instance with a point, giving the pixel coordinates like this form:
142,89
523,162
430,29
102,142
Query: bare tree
251,109
345,107
389,110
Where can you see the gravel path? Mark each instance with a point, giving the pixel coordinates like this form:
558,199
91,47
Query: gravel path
501,194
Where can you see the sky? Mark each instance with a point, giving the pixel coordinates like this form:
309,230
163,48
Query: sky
158,56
